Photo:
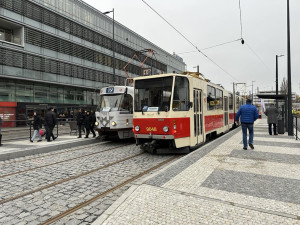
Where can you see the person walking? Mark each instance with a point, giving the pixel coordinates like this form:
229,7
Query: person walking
50,121
0,131
272,114
80,121
87,123
37,124
248,114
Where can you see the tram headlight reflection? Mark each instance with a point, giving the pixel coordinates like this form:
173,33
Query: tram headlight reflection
166,129
137,128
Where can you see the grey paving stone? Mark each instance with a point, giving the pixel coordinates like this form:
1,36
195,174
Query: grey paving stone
277,144
193,157
266,156
269,187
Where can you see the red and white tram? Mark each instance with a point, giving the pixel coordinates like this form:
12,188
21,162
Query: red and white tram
180,111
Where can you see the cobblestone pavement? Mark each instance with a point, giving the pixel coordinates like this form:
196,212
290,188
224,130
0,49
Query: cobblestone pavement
220,183
41,205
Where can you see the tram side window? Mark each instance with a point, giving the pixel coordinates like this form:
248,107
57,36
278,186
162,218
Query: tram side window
237,102
211,97
126,104
219,99
230,101
181,94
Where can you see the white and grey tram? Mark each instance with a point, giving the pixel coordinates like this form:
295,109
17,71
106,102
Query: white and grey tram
114,112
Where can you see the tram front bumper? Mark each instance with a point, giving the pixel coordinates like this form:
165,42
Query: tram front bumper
154,136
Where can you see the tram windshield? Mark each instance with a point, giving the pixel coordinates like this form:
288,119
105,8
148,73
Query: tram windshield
153,94
117,102
109,102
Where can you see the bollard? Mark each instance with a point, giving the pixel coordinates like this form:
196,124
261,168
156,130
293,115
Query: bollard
29,130
56,130
296,128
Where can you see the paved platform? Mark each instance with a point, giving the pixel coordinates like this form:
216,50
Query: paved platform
219,183
15,149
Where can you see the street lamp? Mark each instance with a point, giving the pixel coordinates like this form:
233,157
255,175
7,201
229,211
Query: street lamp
289,77
277,56
113,45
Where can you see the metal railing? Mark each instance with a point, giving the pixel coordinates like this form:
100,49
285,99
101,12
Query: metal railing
12,130
296,126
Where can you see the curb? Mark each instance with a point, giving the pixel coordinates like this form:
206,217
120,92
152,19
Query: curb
34,151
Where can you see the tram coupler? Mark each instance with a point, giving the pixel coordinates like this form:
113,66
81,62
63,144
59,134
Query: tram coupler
149,146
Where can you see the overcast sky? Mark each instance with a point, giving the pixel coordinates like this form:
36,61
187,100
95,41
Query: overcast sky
210,22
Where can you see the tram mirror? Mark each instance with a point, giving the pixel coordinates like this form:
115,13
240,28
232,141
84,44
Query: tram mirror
190,104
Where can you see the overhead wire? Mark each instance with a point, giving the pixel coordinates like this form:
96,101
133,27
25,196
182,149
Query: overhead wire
213,46
190,42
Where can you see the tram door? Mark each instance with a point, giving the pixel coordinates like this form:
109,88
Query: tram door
226,111
198,116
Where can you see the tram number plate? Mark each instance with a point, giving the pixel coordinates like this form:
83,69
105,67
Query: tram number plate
110,90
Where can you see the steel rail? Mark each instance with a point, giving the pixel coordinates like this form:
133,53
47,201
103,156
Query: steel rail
66,179
81,205
55,163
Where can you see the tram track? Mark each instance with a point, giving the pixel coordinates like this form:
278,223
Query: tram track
62,161
85,203
68,179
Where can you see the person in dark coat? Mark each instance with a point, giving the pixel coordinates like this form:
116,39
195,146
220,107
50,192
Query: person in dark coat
80,121
37,124
89,124
50,122
248,114
272,114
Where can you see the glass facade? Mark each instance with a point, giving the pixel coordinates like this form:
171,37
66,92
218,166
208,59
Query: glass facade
32,92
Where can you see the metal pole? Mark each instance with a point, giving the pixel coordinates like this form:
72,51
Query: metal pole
113,47
296,128
276,81
198,68
234,102
252,94
57,130
290,116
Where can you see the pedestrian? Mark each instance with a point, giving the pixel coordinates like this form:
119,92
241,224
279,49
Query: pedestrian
272,114
50,121
0,131
89,124
80,121
248,114
37,124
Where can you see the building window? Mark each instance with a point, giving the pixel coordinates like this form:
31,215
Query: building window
11,32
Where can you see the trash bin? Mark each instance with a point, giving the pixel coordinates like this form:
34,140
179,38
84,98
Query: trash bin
281,126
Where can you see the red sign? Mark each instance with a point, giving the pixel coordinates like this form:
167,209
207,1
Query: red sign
8,113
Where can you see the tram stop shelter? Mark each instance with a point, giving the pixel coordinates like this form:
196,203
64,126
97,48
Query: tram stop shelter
282,123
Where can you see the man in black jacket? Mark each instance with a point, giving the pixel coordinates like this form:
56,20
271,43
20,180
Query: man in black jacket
50,121
80,121
89,123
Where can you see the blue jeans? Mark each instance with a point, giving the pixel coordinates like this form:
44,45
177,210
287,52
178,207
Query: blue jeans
248,126
34,135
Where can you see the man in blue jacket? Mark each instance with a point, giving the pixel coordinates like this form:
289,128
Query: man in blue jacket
248,114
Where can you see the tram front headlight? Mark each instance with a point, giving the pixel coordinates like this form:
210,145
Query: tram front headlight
137,128
166,129
96,123
113,123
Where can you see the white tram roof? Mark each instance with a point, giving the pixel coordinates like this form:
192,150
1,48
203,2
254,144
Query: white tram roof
190,74
116,90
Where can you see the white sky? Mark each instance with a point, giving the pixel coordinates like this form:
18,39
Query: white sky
210,22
